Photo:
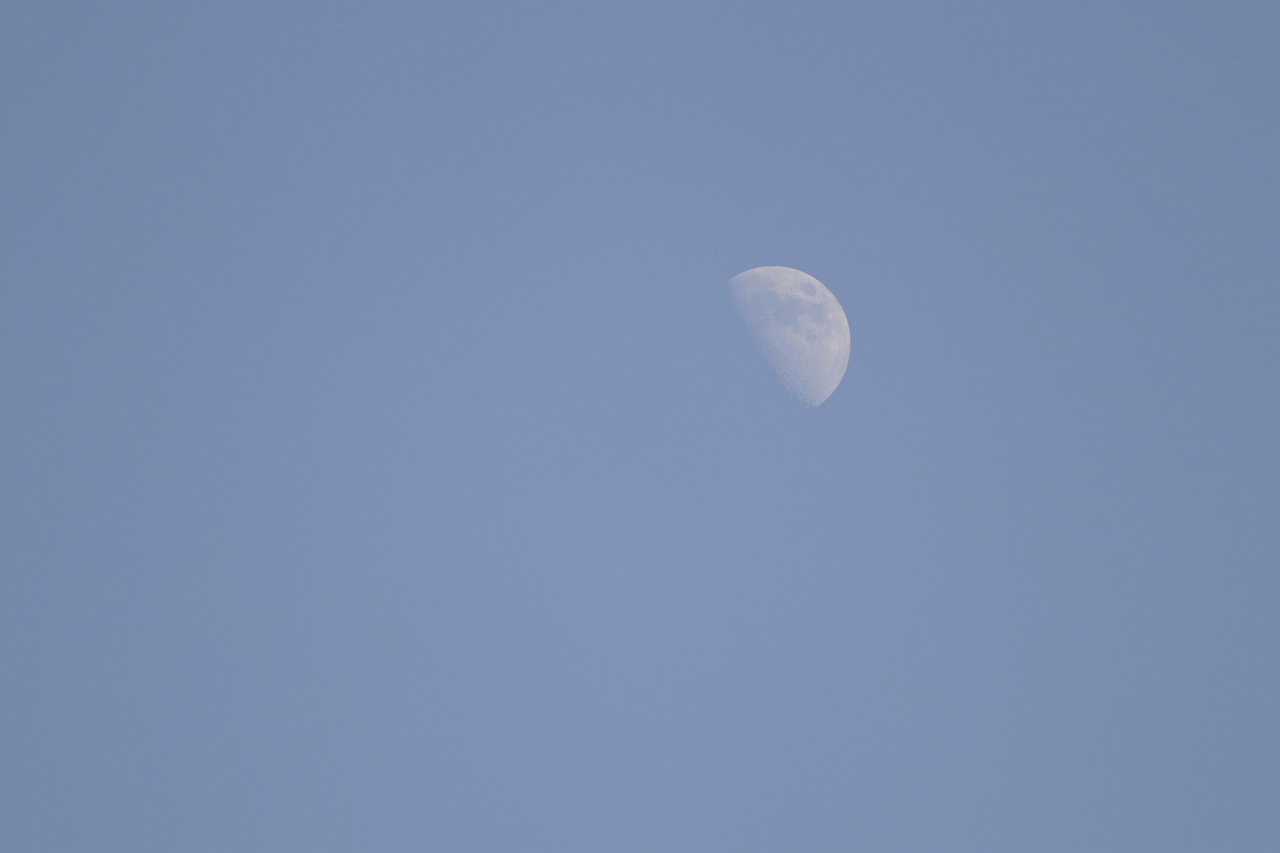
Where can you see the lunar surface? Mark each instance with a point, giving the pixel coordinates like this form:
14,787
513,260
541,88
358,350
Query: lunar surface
798,326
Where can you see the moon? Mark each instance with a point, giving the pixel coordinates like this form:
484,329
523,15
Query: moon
798,326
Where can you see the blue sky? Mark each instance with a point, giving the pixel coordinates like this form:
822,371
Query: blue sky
384,466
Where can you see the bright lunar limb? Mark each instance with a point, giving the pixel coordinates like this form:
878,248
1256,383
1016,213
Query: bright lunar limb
799,327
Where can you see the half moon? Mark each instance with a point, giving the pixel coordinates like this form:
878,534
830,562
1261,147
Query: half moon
798,326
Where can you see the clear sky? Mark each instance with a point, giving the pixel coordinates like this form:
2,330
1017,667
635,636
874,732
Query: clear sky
383,467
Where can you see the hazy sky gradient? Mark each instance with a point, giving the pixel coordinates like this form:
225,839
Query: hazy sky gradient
384,466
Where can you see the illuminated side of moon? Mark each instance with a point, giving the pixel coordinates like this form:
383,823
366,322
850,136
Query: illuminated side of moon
798,326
